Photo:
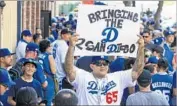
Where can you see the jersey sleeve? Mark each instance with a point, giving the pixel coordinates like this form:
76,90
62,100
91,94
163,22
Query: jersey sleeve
39,74
80,76
22,49
124,78
39,89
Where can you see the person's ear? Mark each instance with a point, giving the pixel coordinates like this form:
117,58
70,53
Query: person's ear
1,59
92,66
23,68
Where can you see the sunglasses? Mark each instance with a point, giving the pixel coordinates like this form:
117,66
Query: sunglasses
101,63
145,36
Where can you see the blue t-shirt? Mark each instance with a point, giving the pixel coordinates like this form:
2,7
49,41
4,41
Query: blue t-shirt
162,83
21,83
39,74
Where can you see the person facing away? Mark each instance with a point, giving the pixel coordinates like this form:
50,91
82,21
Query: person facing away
161,81
146,97
27,96
99,87
29,67
26,37
66,97
48,62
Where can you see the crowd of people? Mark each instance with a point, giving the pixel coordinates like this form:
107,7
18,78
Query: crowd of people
46,72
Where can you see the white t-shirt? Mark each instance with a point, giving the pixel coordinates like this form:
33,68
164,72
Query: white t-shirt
60,49
110,88
21,49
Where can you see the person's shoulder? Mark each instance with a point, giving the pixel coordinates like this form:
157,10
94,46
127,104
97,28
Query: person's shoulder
36,82
134,95
18,80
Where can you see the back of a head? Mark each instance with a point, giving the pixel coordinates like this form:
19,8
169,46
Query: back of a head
162,64
27,96
144,79
66,97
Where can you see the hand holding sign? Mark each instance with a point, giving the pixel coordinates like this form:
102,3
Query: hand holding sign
73,39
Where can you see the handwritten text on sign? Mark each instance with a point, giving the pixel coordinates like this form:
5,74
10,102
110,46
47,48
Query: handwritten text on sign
107,30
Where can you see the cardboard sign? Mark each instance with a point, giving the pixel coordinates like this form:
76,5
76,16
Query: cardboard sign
107,30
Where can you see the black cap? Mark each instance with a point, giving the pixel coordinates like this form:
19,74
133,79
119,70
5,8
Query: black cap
27,96
65,31
144,78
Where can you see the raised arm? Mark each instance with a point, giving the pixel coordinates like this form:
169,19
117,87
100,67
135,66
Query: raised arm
139,63
69,62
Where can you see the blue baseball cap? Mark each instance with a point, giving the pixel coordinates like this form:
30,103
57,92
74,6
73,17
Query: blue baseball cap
30,60
26,33
32,47
98,58
5,52
5,78
153,60
159,40
168,32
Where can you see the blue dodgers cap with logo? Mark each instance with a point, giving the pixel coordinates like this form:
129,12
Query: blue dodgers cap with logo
5,52
98,58
153,60
168,31
5,78
32,47
26,33
30,60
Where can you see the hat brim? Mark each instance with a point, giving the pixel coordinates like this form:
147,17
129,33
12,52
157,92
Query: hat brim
10,83
31,63
12,53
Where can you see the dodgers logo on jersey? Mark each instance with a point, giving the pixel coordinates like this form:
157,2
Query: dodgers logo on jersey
93,87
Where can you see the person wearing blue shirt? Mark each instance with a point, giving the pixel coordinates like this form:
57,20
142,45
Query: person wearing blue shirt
70,23
48,62
6,60
6,83
32,50
162,82
29,67
26,37
168,53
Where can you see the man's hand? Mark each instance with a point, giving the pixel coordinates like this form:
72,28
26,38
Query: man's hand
139,63
73,39
140,41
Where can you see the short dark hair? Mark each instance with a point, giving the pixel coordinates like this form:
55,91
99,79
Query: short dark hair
27,96
150,68
162,63
35,37
128,62
43,45
66,97
147,31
